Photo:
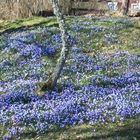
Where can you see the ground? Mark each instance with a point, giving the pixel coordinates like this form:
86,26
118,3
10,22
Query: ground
98,93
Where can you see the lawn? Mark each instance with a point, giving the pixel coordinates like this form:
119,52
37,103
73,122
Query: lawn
98,93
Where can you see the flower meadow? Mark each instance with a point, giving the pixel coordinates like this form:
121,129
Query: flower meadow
100,82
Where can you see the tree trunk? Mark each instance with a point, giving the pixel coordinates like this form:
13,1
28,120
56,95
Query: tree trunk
65,45
125,7
51,83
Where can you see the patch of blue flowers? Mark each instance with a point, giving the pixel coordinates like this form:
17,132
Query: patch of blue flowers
49,50
99,88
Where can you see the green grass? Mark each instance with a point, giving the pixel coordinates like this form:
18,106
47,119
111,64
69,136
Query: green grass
125,130
26,23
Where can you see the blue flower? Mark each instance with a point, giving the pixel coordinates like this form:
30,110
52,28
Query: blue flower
50,50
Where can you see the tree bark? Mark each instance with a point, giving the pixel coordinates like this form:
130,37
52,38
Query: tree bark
51,83
125,7
65,45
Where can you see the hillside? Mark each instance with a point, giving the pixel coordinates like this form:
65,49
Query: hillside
98,93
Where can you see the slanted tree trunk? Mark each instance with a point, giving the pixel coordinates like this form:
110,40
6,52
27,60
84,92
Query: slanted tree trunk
125,7
51,83
65,45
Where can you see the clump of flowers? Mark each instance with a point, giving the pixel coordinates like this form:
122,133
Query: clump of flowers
49,50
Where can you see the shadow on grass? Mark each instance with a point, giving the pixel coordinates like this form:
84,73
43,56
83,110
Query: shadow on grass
128,130
18,27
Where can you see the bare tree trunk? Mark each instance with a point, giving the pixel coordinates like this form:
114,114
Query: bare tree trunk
51,83
125,7
17,9
65,45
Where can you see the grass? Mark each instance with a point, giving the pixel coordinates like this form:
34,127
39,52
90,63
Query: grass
125,130
9,26
129,129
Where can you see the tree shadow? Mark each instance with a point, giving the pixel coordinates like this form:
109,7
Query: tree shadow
129,131
28,27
